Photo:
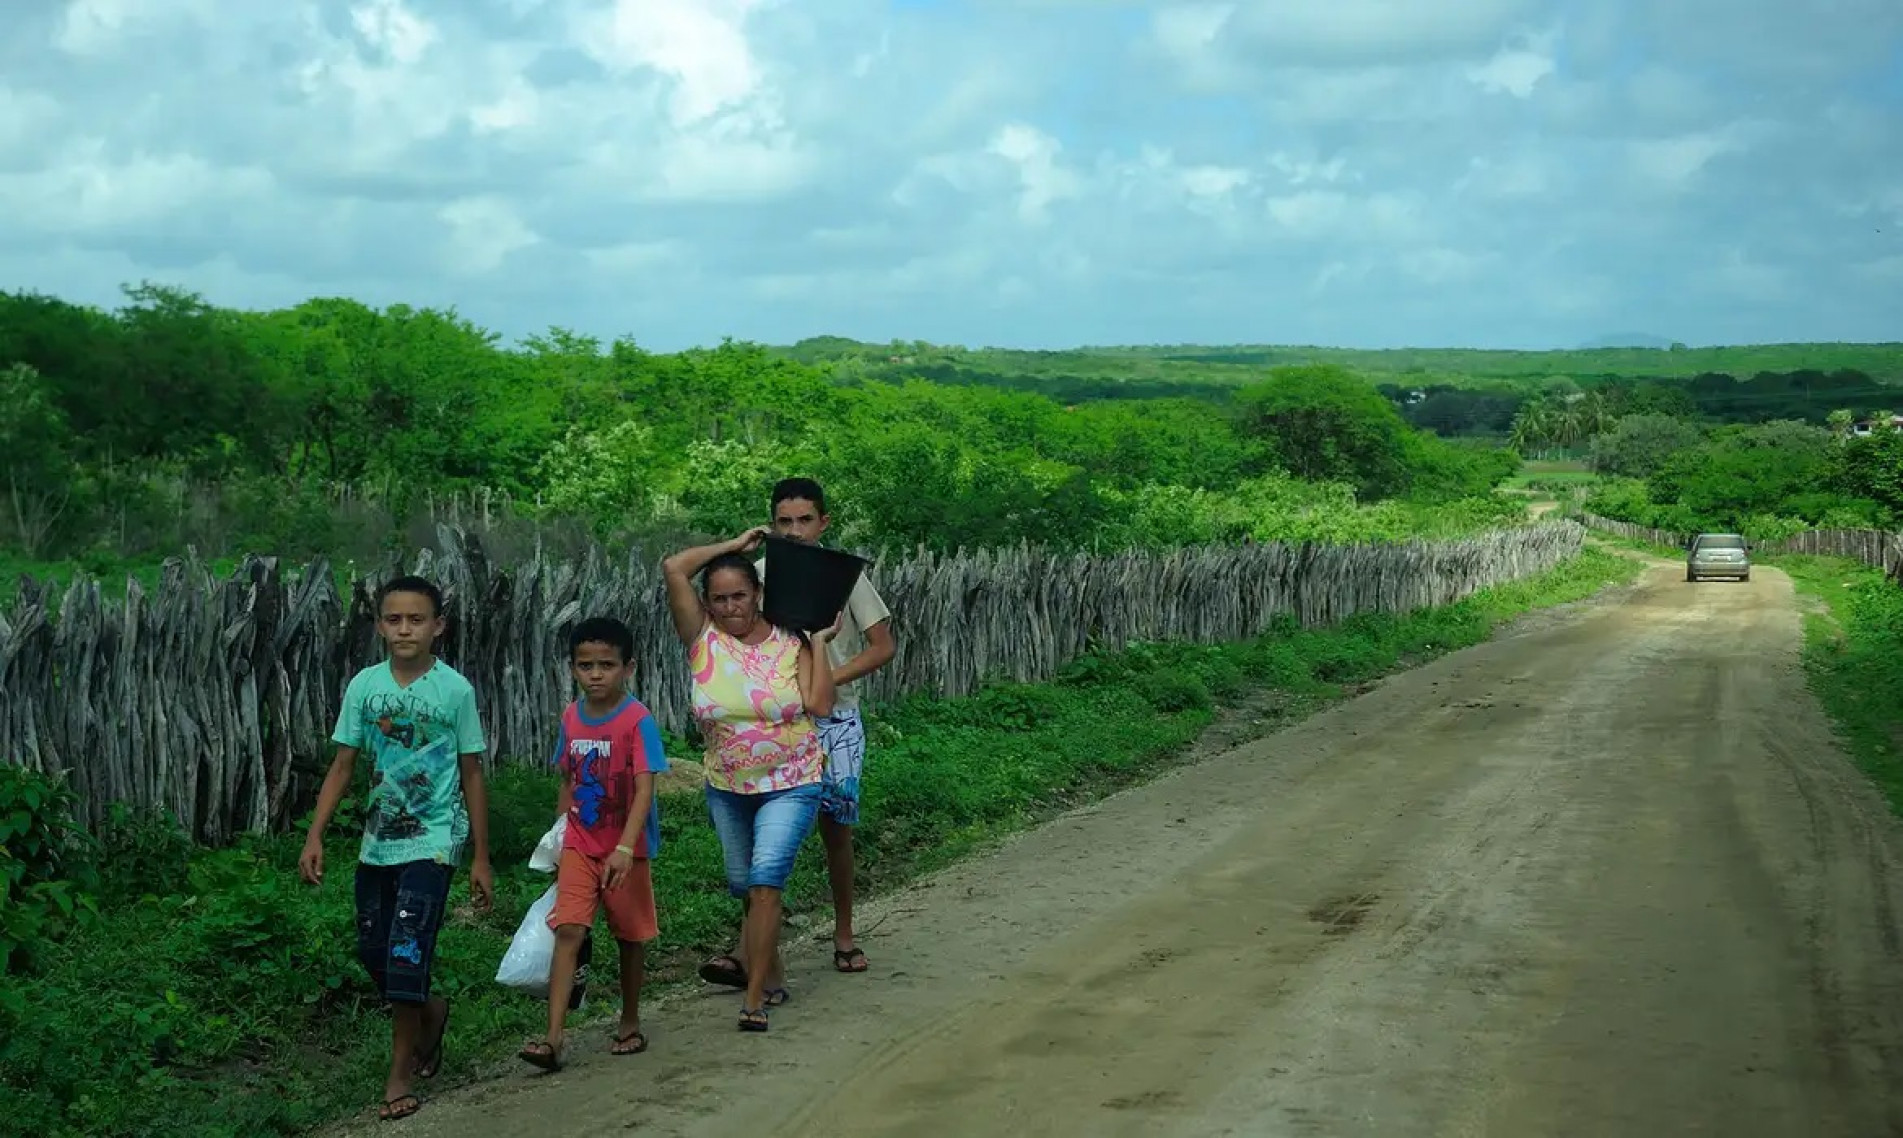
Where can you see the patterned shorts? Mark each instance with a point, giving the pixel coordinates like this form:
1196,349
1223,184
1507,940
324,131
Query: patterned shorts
843,736
399,912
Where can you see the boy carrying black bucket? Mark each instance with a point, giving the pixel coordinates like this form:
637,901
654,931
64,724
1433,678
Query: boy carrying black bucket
863,645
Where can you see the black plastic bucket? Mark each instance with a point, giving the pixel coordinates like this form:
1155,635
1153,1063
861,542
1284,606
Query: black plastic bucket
807,585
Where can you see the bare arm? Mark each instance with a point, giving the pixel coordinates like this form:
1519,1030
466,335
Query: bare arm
817,692
878,652
476,797
622,860
690,616
638,808
310,864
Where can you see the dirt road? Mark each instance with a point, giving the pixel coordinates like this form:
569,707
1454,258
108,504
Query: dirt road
1606,875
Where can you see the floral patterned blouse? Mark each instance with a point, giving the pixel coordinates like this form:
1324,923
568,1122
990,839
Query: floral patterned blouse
747,702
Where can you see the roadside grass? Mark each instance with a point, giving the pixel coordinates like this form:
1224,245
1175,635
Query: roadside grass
219,996
1853,656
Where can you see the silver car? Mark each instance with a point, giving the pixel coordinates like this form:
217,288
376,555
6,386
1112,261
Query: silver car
1718,555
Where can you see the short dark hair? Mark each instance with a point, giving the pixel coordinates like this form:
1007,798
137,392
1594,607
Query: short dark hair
806,488
411,583
602,630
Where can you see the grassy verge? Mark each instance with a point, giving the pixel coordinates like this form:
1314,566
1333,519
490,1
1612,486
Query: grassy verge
1853,653
221,996
1669,552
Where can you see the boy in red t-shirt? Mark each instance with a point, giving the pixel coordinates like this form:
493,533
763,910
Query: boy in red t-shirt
609,752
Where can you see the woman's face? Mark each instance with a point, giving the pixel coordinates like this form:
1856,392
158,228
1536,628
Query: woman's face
732,601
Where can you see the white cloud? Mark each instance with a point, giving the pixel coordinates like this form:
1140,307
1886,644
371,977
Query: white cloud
394,30
1042,178
1674,162
998,171
1516,70
484,231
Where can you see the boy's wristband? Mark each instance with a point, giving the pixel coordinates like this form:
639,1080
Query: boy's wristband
629,850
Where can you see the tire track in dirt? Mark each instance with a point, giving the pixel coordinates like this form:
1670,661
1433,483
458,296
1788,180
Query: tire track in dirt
1606,874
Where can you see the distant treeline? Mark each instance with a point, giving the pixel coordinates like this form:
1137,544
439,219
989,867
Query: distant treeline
1448,406
1807,395
1234,365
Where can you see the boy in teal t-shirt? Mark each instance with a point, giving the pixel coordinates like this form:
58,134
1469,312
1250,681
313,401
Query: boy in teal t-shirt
416,717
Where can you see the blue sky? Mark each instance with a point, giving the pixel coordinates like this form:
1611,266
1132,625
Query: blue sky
1038,173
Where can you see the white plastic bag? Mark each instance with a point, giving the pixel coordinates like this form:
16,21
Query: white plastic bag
531,956
548,852
526,965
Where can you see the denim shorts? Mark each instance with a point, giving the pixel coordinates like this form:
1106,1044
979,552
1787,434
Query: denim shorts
399,910
760,834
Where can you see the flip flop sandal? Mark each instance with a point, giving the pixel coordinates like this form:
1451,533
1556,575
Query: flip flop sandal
392,1110
621,1042
428,1065
752,1020
777,996
724,970
546,1058
843,958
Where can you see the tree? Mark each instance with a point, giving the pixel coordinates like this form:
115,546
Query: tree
1773,469
1321,423
1639,446
36,459
1870,467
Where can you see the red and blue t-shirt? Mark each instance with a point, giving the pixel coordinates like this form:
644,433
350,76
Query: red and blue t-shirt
600,758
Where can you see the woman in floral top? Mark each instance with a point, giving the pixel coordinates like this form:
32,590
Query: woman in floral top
757,689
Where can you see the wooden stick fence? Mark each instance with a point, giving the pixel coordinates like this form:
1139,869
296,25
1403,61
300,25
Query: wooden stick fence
214,698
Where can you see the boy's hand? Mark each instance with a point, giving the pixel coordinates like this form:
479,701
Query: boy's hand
482,884
618,866
310,864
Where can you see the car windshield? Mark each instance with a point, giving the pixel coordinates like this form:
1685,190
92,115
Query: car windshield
1722,541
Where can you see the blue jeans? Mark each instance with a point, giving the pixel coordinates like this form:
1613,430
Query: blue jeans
760,834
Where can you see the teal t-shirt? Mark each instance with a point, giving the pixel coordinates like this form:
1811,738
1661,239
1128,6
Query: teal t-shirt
413,736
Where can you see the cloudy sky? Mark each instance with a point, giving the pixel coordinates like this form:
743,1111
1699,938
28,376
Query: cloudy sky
1040,173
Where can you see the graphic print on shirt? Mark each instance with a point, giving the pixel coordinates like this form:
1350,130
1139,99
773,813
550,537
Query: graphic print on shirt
597,783
414,748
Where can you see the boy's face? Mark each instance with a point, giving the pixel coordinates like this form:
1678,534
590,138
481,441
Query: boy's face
600,671
799,519
409,625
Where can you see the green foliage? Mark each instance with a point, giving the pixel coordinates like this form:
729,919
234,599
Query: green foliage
1870,468
1323,424
1639,446
1777,467
327,427
1854,657
601,475
228,1001
43,874
1767,481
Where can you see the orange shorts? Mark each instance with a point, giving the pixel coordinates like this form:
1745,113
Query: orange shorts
579,894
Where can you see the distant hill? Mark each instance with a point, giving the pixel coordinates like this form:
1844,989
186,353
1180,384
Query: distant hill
1626,340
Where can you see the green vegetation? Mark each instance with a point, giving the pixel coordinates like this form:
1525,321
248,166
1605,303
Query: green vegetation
1853,652
1447,391
333,428
157,989
1767,481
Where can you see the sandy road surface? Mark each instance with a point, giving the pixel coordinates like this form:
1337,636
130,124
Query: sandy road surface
1606,875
